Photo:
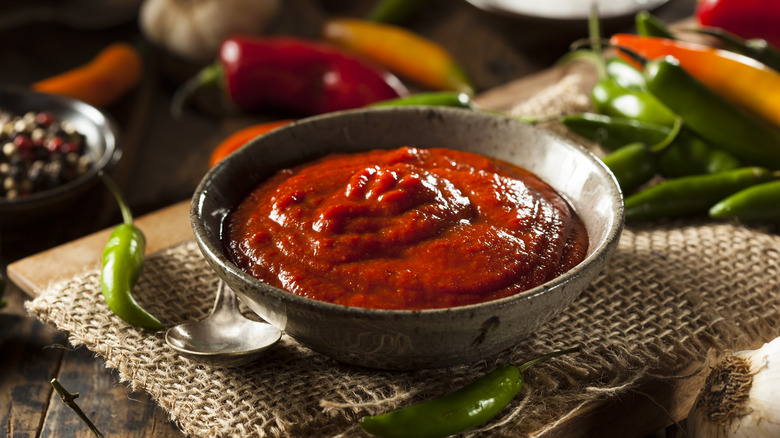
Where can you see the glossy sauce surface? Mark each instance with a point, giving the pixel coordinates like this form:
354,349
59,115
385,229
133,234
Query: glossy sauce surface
405,229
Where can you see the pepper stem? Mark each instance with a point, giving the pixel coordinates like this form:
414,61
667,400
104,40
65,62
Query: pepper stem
594,43
69,400
594,27
579,54
649,25
210,75
729,39
636,57
127,216
663,144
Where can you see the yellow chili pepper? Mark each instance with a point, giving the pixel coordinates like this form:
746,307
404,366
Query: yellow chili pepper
741,80
401,51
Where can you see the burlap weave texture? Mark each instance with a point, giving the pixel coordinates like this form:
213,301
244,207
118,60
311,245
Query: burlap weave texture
668,294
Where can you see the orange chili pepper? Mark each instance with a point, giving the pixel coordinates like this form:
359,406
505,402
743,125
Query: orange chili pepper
109,75
741,80
401,51
241,137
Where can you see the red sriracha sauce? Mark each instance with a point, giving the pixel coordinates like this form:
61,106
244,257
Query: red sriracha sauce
405,229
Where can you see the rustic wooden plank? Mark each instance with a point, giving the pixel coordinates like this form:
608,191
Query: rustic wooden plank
163,228
505,97
29,361
108,403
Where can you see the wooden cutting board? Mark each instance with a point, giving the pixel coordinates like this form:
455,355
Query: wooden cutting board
163,229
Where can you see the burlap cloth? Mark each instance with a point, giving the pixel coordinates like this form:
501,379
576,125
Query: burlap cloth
672,291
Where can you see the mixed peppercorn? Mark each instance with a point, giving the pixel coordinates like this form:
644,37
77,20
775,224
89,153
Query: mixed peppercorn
39,152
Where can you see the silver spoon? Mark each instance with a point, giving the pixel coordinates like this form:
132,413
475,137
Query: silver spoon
225,336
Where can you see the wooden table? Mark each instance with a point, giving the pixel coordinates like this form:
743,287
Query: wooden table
163,161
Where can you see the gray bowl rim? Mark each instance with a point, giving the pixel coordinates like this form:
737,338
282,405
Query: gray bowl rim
215,255
106,125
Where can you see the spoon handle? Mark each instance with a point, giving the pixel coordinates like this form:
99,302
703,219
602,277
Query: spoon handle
226,303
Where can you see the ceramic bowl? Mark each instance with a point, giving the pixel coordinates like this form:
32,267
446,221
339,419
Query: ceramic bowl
399,339
101,140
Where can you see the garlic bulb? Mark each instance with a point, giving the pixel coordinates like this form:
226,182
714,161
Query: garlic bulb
193,29
740,397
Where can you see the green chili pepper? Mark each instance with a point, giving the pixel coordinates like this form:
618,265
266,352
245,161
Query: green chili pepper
625,74
435,98
614,132
463,409
759,49
690,155
632,165
649,25
714,119
686,155
123,258
623,92
691,194
610,98
758,203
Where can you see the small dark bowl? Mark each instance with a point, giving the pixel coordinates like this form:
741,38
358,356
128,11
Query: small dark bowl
101,140
406,339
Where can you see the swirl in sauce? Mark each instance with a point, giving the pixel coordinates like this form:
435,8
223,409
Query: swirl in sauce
405,229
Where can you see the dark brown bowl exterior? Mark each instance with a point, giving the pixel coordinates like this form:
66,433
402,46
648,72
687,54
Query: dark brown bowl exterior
100,132
393,339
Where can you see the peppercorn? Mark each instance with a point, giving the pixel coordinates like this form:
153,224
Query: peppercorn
39,153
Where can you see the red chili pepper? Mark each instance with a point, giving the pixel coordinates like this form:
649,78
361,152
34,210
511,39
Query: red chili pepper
745,18
296,75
